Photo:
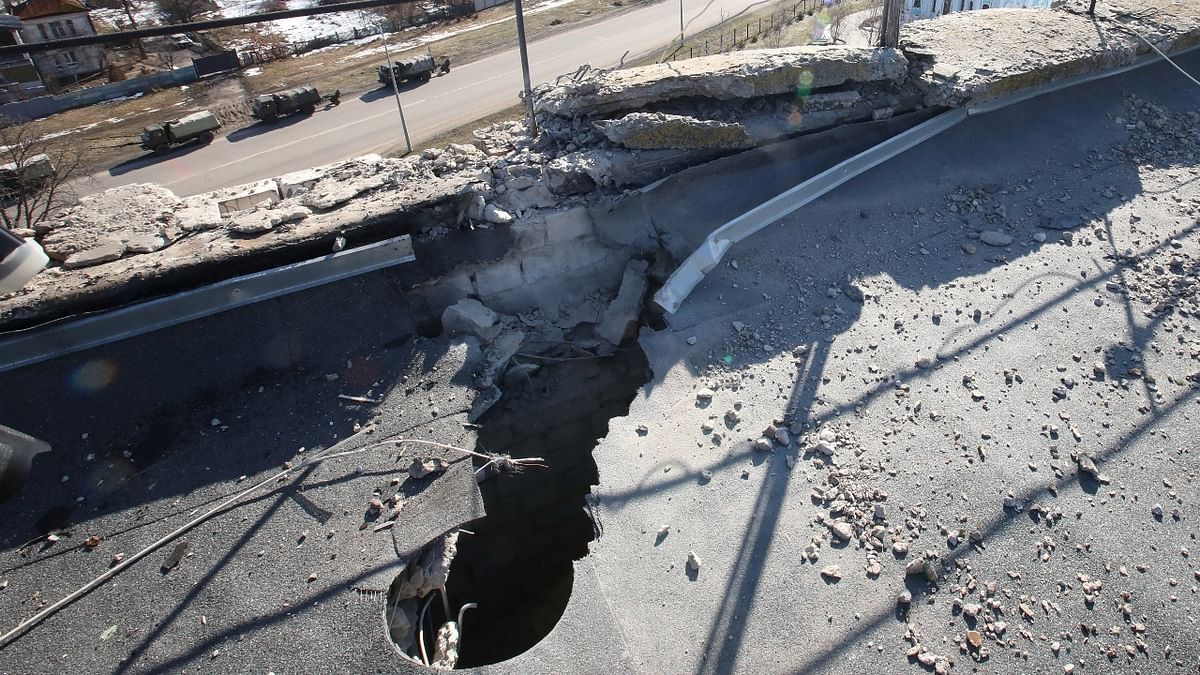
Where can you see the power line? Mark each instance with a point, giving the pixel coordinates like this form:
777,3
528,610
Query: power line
126,36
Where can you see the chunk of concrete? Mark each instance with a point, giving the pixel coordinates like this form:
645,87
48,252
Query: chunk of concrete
198,213
621,317
265,220
647,131
470,317
497,215
129,211
742,74
106,251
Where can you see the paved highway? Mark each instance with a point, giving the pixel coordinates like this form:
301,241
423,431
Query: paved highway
370,123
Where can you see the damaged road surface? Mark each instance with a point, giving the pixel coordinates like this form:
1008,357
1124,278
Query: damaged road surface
938,419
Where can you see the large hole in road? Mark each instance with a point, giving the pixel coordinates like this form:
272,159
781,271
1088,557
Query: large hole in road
518,563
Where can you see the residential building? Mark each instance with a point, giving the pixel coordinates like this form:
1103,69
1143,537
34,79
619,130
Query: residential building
927,9
18,76
47,20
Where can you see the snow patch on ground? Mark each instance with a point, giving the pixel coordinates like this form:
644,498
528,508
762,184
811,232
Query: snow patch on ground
435,37
251,72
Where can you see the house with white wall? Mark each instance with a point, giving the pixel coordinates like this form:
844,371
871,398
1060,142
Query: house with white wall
927,9
18,76
46,20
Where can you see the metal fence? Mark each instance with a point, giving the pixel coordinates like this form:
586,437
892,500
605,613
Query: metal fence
730,38
44,106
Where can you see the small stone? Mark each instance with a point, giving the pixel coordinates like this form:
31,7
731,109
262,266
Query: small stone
312,577
1157,510
833,572
693,561
915,567
762,445
881,513
692,340
975,639
842,531
420,468
904,599
825,448
704,395
995,238
738,326
1039,237
926,362
969,249
782,437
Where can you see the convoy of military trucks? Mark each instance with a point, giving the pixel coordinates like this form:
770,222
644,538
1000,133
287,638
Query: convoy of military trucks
202,126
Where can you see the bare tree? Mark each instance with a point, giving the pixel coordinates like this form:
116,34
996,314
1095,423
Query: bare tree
35,170
874,21
777,36
182,11
837,22
131,8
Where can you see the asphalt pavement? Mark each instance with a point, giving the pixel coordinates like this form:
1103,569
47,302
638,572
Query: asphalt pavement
371,122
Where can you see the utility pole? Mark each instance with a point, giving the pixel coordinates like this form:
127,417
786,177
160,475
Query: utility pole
680,23
889,29
1092,8
395,88
533,130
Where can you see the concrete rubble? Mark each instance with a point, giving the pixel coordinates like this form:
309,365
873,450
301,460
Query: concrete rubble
920,461
603,134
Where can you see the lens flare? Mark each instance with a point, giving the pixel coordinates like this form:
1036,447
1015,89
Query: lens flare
93,376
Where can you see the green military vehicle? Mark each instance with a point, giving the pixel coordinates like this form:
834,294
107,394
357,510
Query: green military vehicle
24,178
160,138
419,68
270,107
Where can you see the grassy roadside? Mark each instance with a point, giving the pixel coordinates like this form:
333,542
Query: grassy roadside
782,23
104,131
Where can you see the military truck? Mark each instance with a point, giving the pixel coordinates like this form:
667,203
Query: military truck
270,107
419,68
32,174
160,138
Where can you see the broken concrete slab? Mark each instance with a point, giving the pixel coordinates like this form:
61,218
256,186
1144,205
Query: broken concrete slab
746,74
646,131
197,214
975,56
104,251
121,213
471,317
265,220
621,318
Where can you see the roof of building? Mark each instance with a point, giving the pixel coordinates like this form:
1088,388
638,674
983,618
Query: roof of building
33,9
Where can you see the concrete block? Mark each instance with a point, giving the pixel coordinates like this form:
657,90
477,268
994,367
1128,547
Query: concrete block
470,317
504,275
568,224
529,233
246,197
445,291
298,182
558,261
620,319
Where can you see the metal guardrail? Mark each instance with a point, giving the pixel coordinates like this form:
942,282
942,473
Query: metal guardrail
691,272
42,343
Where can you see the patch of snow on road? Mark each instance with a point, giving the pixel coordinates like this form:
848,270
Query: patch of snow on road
251,72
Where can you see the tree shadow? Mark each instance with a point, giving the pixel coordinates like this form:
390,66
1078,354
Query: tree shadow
260,128
150,158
